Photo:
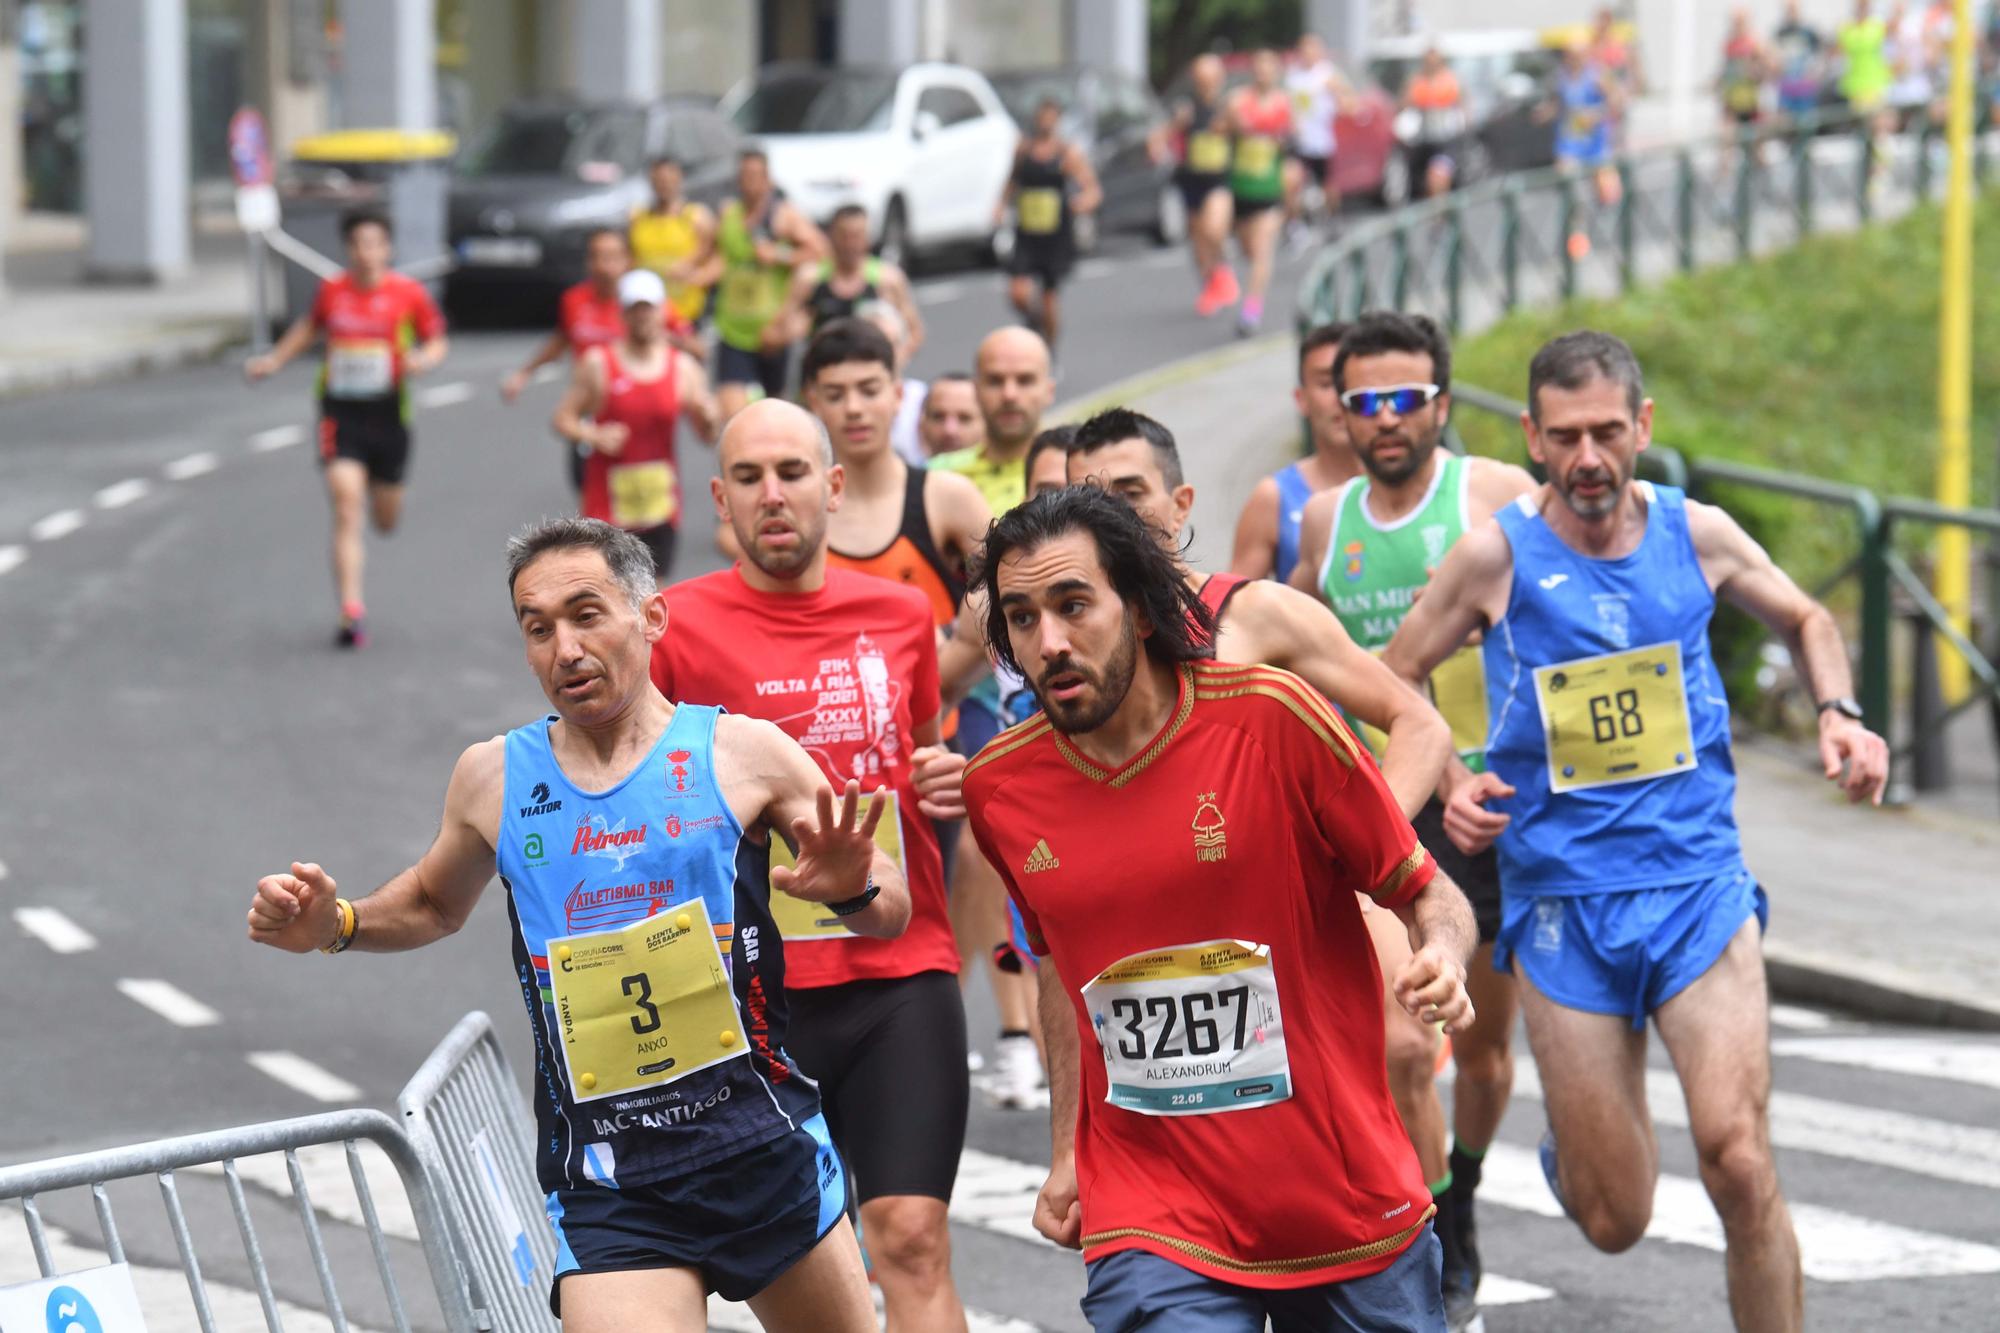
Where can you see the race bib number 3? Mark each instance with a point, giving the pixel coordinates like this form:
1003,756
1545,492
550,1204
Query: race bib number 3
1622,717
1039,211
643,1006
1207,152
642,495
798,919
1191,1030
360,368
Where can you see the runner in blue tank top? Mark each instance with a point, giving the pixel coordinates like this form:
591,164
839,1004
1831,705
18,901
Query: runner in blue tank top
682,1150
1267,531
1611,787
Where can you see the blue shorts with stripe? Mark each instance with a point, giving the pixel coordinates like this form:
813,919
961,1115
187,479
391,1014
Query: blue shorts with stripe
740,1222
1626,953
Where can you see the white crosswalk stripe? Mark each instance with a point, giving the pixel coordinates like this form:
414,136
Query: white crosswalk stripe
1925,1057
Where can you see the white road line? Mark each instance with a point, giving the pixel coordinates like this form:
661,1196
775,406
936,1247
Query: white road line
163,1292
331,1185
12,558
168,1001
121,493
1095,268
444,395
1800,1018
190,467
1497,1290
729,1317
1834,1246
3,870
936,293
1941,1149
546,374
278,437
57,525
54,929
1925,1057
1172,257
302,1075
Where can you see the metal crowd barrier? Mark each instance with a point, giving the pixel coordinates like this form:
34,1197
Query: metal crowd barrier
32,1182
467,1120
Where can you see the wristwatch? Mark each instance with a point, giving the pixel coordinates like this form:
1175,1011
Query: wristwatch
1844,706
859,902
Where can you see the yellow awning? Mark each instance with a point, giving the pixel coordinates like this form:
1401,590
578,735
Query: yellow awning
376,146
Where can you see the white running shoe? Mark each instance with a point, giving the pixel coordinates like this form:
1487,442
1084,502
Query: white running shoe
1015,1083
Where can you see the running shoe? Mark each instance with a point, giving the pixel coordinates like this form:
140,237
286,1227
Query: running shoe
1249,319
1461,1303
1465,1174
1015,1083
353,631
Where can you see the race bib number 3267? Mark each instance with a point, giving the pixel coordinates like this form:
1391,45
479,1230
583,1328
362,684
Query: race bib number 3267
1193,1029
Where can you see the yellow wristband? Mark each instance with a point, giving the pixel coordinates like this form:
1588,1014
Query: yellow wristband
344,934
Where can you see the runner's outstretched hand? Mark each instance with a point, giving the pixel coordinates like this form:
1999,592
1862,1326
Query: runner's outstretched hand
1431,985
938,775
1058,1214
295,912
833,859
1845,743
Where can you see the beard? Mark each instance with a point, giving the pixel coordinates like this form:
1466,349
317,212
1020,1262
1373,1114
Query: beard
1594,506
1108,688
783,563
1417,452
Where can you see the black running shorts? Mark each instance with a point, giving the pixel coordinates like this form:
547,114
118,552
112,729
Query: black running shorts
371,434
890,1060
1477,876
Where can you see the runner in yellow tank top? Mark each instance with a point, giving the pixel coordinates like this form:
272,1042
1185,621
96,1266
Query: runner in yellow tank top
676,239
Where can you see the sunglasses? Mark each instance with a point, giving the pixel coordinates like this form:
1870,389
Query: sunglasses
1402,399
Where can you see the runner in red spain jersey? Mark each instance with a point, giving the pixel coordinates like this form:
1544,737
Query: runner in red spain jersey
625,401
381,328
846,664
1233,1153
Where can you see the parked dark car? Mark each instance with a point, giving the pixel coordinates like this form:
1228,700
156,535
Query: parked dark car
1112,115
1504,77
532,185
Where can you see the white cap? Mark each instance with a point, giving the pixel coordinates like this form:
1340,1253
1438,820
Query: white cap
641,286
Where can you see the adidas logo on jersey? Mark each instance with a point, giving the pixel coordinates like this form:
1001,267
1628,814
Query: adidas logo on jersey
1041,858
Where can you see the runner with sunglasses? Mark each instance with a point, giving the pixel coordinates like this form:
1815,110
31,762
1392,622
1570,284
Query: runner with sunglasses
1368,549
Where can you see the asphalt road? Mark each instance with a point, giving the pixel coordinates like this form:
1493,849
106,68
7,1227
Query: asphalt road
176,724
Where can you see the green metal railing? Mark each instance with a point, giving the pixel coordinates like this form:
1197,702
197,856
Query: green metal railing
1879,569
1473,255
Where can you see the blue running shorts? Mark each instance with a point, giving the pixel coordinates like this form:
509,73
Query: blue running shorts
740,1222
1135,1291
1626,953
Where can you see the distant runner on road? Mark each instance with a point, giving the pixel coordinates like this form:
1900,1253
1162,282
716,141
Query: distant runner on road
626,401
682,1151
762,239
588,316
1609,792
381,329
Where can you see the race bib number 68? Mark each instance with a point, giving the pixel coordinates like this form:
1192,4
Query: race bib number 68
1191,1030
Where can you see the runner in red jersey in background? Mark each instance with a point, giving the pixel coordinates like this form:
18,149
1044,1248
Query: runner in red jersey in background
1233,1153
636,390
587,316
846,664
381,328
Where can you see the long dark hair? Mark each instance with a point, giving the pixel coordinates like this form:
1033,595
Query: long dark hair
1138,556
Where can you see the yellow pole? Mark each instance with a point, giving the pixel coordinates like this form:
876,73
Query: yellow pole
1954,479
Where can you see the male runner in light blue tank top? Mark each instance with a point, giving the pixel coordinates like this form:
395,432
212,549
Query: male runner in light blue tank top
1609,773
681,1149
1267,531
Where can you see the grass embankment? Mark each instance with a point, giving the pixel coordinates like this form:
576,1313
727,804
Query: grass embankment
1821,360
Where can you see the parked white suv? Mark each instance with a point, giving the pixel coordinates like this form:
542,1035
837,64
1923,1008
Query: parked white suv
925,149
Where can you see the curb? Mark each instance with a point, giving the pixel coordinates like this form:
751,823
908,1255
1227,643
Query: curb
1161,377
1805,977
198,344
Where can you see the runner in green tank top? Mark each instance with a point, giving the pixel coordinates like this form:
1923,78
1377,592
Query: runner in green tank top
760,239
1368,550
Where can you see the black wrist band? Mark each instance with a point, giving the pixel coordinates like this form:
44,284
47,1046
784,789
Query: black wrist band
859,902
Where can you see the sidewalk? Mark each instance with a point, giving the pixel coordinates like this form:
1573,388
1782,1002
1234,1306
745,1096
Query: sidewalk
55,330
1892,913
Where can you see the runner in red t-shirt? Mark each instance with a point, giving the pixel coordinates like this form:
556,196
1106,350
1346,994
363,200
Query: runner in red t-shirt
846,664
1234,1146
381,328
625,401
